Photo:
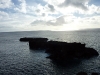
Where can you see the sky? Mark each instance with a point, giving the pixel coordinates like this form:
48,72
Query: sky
54,15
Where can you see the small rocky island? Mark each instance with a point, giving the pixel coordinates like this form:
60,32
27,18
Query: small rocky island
58,50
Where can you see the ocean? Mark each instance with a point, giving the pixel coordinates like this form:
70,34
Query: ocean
17,59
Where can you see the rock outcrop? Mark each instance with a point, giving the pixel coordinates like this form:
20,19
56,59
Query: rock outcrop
25,39
61,50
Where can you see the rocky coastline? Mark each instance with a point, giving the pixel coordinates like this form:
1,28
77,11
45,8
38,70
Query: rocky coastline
60,51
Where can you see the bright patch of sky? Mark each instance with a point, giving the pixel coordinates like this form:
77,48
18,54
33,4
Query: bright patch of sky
56,15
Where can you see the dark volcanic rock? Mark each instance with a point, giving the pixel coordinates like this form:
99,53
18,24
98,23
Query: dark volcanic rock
82,73
35,43
25,39
61,50
38,43
94,74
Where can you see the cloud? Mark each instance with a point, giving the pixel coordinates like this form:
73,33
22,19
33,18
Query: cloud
75,3
22,6
6,4
35,10
92,10
54,2
19,14
51,7
41,11
43,14
65,7
3,15
94,20
14,22
58,21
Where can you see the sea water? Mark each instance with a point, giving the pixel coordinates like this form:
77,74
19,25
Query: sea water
17,59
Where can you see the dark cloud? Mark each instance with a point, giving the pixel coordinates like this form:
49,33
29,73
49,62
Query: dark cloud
51,7
37,22
59,21
5,26
38,10
93,19
43,14
75,3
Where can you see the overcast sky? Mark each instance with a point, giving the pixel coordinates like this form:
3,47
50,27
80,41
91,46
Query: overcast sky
56,15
